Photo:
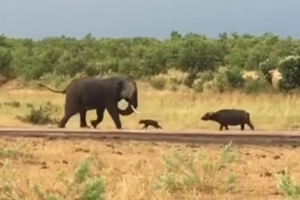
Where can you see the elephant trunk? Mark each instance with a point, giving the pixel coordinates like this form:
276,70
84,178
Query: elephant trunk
132,106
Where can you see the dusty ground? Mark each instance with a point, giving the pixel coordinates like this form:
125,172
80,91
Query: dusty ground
131,168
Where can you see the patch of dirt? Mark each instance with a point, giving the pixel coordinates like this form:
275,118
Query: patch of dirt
132,166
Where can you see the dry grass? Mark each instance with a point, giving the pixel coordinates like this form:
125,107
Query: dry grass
130,168
175,110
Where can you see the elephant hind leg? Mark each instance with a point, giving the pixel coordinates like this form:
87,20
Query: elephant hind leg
70,110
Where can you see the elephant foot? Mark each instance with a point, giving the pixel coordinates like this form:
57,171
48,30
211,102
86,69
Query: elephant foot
94,123
85,126
61,126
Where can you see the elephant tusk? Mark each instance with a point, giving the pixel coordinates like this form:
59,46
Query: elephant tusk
134,109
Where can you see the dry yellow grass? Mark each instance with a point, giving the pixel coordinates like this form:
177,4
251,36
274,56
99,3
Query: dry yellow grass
130,168
175,110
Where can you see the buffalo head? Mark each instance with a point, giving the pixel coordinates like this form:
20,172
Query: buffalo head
207,116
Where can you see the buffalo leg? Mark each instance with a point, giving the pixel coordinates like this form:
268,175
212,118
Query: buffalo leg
250,125
100,115
114,114
221,127
83,123
242,127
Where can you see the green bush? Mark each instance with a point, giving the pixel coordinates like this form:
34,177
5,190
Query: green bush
40,115
84,185
286,185
158,83
255,86
142,57
234,77
184,173
289,67
198,85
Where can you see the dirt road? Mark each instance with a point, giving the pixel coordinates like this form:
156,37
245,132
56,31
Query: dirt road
194,136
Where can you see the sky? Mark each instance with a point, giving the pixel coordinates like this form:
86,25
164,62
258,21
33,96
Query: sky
153,18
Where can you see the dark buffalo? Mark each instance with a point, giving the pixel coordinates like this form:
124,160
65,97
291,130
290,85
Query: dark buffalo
229,117
149,122
89,93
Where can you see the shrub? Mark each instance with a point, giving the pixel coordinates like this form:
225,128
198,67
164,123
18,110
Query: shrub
289,188
234,77
84,185
191,77
185,173
14,153
40,115
207,76
219,82
158,83
255,86
14,104
289,67
198,85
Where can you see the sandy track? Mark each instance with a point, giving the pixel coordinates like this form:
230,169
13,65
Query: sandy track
195,136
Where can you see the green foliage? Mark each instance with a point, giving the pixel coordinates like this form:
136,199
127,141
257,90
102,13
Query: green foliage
255,86
143,57
90,187
83,171
191,77
192,172
13,104
84,185
234,77
289,188
198,85
202,78
289,67
13,153
158,83
40,115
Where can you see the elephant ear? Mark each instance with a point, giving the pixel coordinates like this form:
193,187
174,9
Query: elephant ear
125,89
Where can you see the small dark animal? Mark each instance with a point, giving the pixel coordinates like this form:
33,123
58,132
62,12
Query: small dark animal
149,122
229,117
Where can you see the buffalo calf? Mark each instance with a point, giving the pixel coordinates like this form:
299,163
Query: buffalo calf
229,117
149,122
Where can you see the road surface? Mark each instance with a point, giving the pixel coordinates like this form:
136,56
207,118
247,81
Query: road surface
194,136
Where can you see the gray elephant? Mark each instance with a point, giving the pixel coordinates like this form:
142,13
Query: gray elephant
89,93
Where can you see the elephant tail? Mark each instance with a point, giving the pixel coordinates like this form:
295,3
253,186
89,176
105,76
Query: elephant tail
55,91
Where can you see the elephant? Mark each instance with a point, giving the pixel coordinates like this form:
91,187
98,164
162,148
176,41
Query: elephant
89,93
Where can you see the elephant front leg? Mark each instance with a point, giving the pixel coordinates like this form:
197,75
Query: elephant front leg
83,123
114,114
100,115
